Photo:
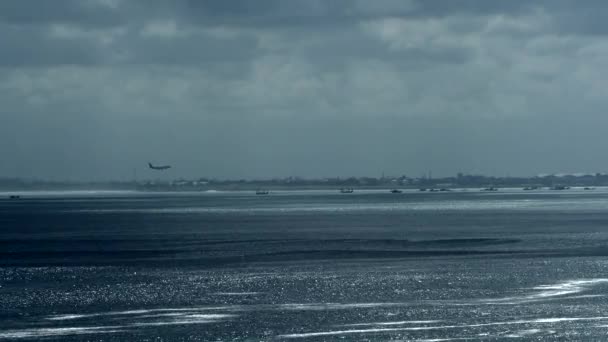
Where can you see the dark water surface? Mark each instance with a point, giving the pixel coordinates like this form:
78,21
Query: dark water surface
312,266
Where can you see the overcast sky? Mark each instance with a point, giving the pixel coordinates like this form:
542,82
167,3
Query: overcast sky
91,89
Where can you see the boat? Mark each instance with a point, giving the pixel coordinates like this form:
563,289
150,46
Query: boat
588,188
396,191
528,188
262,192
560,187
14,197
490,189
347,190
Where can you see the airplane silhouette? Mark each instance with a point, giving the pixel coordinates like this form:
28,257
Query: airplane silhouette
162,167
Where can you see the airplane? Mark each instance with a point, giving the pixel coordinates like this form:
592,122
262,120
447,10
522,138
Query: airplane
162,167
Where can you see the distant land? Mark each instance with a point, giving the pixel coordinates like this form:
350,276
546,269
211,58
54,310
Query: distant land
202,184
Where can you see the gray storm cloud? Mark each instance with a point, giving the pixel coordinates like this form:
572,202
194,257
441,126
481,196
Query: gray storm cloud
92,89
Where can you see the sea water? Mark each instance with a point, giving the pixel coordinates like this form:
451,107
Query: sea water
304,265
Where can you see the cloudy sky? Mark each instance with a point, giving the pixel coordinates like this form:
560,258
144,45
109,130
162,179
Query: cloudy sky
90,89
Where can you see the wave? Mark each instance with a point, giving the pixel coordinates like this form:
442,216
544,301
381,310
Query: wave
99,252
542,321
461,242
510,204
144,321
562,290
220,253
131,320
390,323
35,333
173,258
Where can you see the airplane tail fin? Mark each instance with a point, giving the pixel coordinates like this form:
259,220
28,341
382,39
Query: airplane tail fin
150,165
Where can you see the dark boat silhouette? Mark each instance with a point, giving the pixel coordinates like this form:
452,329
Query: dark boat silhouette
396,191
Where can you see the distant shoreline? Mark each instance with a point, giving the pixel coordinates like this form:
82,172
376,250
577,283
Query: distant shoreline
281,188
295,183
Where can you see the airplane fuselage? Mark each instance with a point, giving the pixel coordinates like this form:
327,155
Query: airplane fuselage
162,167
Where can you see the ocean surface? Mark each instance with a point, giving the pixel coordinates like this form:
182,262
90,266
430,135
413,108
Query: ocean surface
304,266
